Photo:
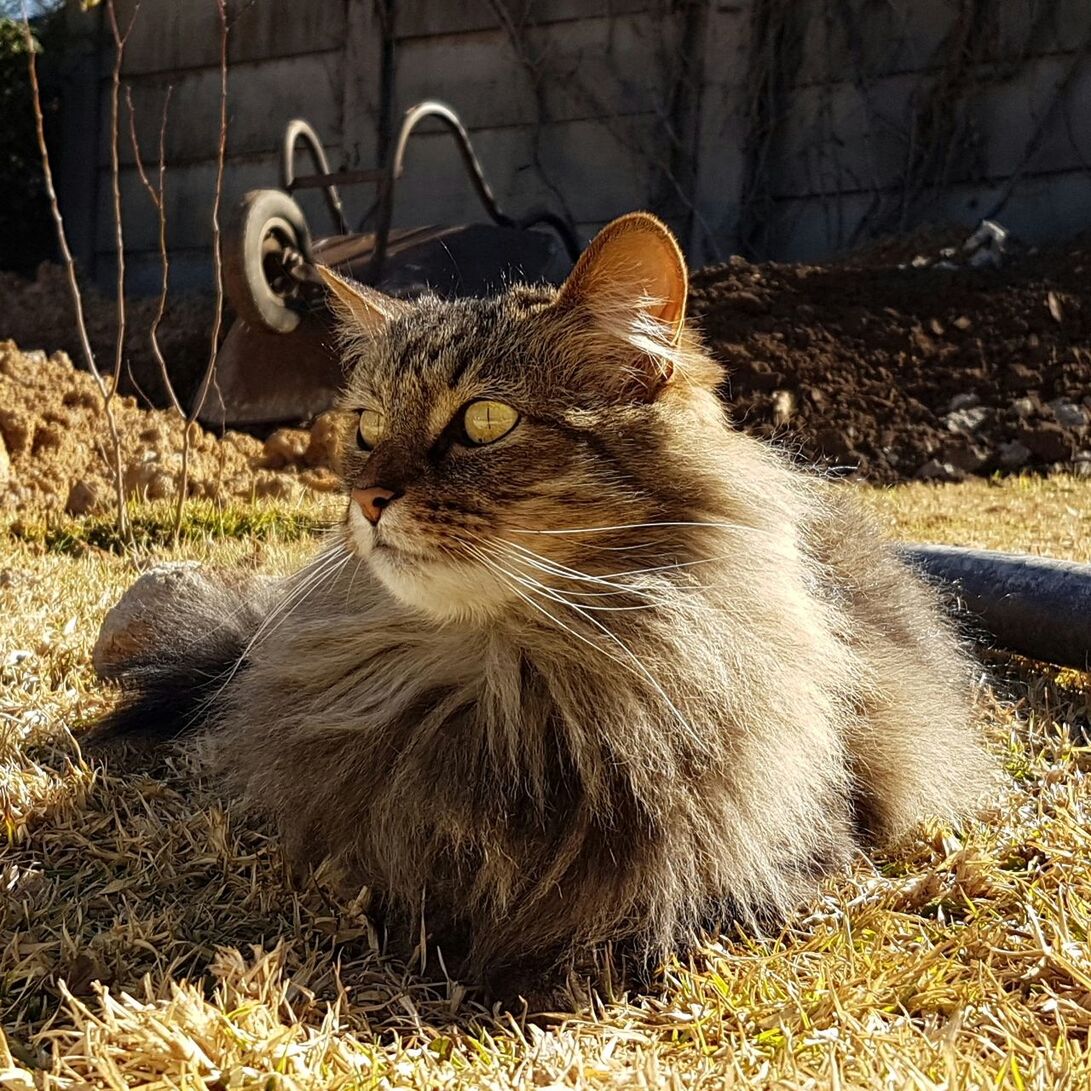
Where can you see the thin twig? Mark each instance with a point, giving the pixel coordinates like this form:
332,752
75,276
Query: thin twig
105,391
217,267
158,196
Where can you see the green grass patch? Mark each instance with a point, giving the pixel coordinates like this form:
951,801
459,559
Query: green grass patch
152,526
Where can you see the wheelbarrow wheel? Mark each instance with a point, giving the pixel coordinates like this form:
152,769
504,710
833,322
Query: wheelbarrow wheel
267,234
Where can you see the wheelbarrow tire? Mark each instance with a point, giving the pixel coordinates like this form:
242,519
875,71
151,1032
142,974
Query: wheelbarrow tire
266,223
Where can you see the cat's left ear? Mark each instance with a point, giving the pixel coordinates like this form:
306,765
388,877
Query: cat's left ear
632,282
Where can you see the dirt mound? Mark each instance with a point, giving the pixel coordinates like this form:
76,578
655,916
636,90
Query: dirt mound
54,445
39,312
894,372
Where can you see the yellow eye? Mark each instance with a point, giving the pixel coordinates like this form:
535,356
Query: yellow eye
372,427
485,421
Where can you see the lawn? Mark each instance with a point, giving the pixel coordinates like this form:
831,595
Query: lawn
150,938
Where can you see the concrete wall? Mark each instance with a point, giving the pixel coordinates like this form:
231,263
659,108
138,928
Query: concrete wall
786,130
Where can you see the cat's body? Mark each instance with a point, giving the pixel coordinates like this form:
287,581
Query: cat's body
617,674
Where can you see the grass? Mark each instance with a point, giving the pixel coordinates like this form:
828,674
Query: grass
149,938
152,525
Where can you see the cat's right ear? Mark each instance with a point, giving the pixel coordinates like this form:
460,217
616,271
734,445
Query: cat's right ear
357,304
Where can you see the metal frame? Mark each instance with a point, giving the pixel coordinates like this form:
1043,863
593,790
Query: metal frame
384,179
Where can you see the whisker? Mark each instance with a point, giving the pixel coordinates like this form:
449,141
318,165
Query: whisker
326,566
639,526
641,668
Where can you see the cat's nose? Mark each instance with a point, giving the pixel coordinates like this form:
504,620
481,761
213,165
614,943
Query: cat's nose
373,500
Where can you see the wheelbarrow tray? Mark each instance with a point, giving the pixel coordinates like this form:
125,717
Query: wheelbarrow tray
265,378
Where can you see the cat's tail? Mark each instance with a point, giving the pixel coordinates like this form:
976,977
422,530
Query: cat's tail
174,643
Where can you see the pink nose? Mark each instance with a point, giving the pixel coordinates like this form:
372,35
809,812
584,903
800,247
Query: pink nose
372,501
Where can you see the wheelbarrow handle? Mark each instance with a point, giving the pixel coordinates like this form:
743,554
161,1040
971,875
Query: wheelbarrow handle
441,112
299,130
1035,606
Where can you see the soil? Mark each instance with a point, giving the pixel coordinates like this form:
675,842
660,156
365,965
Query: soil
55,446
892,372
886,366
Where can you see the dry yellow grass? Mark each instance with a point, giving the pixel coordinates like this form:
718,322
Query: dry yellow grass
149,938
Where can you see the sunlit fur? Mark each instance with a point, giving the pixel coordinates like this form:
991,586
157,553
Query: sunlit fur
543,735
622,675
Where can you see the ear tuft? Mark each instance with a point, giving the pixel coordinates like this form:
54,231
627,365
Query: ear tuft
633,261
356,304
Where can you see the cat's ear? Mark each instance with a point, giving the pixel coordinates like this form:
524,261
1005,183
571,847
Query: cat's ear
631,281
357,303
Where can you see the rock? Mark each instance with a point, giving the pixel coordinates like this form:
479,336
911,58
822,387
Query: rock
285,447
1048,442
1025,407
963,454
963,401
1013,455
784,404
130,627
145,614
275,487
82,498
967,420
935,470
1067,414
321,480
324,445
148,479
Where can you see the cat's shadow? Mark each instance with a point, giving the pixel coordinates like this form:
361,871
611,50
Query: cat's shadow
145,873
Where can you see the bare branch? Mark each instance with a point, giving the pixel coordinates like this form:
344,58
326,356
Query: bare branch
105,391
158,196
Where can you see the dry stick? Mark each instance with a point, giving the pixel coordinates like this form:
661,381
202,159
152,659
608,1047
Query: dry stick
157,194
105,393
217,265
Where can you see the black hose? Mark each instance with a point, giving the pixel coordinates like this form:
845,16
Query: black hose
1034,606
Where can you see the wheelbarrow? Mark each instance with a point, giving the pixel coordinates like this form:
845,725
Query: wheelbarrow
277,363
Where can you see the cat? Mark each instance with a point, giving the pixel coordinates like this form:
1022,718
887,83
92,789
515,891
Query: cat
584,664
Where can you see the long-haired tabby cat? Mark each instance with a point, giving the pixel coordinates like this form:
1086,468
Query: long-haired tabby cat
584,663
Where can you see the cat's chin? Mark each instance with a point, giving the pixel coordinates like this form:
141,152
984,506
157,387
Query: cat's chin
443,590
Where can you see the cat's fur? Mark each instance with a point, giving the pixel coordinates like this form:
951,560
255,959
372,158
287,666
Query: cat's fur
618,676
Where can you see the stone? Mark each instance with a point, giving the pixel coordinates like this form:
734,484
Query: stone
275,487
784,404
324,445
143,616
285,447
1013,455
967,400
1067,414
963,454
967,420
1048,442
935,470
82,498
129,628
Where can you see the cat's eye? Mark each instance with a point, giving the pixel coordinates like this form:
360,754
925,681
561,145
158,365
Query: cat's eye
486,421
372,427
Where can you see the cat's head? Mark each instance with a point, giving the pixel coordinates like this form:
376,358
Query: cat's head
493,439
